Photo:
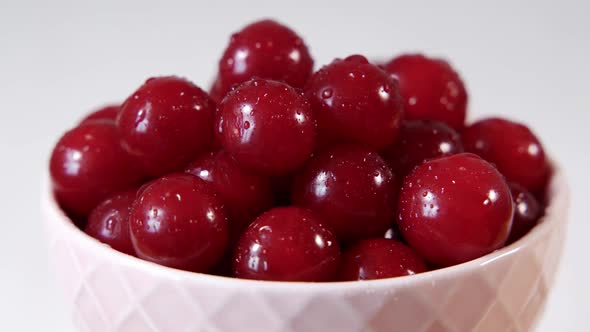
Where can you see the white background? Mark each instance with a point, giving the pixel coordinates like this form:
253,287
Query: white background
59,59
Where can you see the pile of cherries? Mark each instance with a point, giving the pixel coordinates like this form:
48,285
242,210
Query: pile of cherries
356,171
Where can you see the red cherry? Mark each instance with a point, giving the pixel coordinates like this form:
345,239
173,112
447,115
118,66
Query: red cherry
287,244
166,123
419,141
355,102
223,267
393,233
177,221
215,92
109,222
431,89
245,195
351,188
527,212
454,209
88,164
107,113
267,126
265,49
512,147
378,259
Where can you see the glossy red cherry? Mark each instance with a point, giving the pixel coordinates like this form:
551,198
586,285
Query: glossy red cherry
245,195
393,233
378,259
454,209
355,102
527,211
166,123
512,147
287,244
267,126
107,113
177,221
88,164
215,92
265,49
352,188
421,140
109,222
431,89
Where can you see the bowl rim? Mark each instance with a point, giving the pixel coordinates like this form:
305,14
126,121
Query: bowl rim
555,212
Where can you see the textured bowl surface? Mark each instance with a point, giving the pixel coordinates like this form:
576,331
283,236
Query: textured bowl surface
503,291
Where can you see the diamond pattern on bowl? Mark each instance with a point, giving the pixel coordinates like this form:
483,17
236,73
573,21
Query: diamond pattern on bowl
505,291
496,319
478,292
328,313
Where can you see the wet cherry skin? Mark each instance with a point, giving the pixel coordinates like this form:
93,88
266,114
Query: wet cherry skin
267,126
352,188
106,113
454,209
527,211
360,170
287,244
167,123
393,233
177,221
420,140
431,89
512,147
88,164
215,91
379,258
264,49
355,102
244,195
109,221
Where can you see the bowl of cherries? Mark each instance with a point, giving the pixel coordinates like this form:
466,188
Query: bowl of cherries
351,198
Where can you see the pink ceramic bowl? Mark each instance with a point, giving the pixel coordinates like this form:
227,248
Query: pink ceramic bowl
503,291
